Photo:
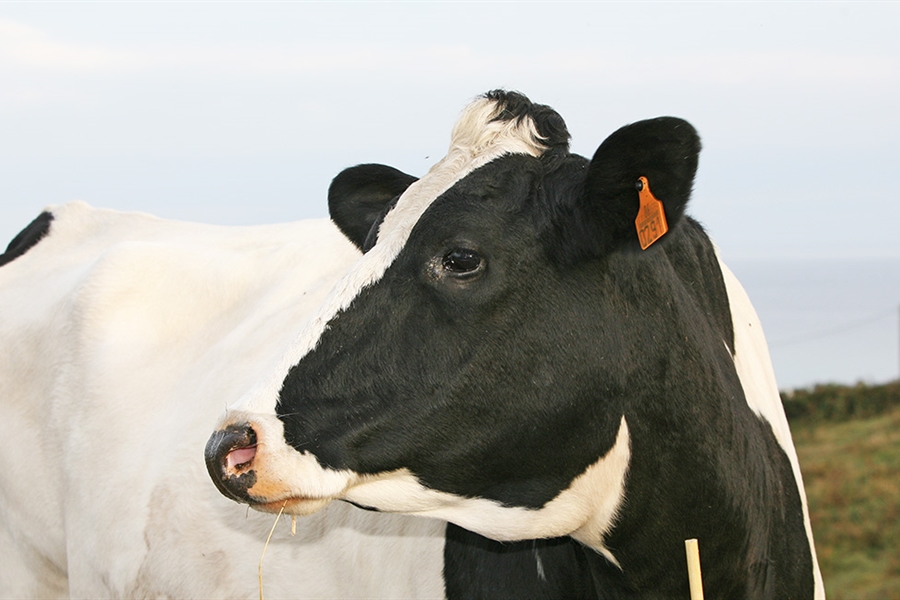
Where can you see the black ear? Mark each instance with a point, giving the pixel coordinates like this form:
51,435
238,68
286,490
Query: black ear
662,150
359,196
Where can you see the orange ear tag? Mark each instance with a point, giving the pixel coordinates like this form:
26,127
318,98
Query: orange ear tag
651,220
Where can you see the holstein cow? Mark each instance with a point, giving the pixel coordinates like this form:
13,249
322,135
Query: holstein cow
124,337
506,356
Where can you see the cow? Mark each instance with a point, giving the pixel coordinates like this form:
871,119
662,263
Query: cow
545,352
124,338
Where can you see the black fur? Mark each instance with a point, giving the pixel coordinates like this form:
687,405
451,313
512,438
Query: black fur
508,384
601,218
33,233
477,567
360,196
549,124
217,448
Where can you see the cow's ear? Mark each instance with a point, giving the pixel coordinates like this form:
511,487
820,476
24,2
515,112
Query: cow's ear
653,159
359,196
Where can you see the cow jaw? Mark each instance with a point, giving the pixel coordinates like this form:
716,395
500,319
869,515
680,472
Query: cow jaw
586,510
295,482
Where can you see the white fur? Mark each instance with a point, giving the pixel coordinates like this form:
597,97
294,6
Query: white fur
586,510
754,368
125,336
475,141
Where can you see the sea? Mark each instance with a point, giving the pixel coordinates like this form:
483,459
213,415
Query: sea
827,320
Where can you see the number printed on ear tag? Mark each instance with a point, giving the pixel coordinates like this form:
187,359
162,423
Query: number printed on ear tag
651,220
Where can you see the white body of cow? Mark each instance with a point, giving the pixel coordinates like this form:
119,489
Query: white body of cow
124,337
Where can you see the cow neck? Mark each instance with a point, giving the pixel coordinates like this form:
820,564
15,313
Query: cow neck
478,138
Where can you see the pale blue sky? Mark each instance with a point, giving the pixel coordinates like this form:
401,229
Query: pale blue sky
240,113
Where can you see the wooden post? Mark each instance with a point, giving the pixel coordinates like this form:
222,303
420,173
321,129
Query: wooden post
693,564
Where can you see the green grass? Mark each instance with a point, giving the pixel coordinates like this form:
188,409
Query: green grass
851,469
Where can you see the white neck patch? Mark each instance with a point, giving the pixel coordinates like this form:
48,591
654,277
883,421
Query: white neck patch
476,140
754,369
586,510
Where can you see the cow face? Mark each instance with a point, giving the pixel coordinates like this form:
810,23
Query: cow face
510,355
488,358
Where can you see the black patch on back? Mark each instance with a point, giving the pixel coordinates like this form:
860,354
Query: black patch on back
27,238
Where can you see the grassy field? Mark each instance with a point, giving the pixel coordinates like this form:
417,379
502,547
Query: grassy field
848,439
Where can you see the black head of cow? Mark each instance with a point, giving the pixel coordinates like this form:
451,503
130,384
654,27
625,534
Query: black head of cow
506,357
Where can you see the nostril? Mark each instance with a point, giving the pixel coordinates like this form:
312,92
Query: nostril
229,456
240,458
239,452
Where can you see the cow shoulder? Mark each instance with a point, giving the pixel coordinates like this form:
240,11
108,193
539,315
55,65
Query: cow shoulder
757,377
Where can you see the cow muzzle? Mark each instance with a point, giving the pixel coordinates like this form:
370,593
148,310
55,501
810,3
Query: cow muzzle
250,463
229,459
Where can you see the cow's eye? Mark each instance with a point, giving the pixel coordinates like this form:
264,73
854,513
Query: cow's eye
462,262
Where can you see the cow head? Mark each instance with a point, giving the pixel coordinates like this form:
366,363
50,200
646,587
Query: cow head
478,362
505,356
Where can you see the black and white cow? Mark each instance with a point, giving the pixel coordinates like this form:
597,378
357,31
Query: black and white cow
506,357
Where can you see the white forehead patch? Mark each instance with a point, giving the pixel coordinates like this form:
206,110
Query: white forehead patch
475,141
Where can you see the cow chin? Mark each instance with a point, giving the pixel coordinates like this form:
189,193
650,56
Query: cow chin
293,506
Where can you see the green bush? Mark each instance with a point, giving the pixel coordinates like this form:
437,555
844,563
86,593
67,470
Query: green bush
832,402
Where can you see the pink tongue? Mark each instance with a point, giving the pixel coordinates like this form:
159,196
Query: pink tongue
239,457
